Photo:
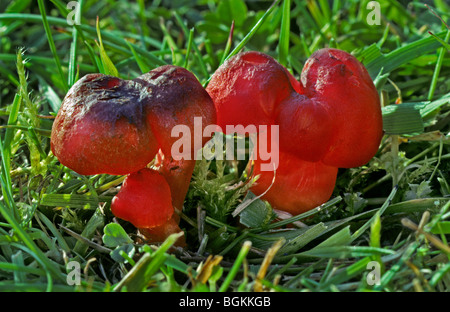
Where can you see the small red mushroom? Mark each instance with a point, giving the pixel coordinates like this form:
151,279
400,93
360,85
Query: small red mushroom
330,118
114,126
338,81
144,199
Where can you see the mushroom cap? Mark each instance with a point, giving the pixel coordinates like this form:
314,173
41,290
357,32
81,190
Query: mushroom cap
247,88
100,127
305,127
114,126
144,199
343,86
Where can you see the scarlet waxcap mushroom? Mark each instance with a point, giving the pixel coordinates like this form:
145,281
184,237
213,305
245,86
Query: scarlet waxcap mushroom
144,199
247,88
298,186
177,99
343,86
100,127
330,119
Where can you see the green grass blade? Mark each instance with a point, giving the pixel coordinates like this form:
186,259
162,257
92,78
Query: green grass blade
441,54
60,239
72,74
301,240
108,65
6,266
348,273
116,37
253,31
283,44
316,13
51,43
189,47
176,58
228,44
139,276
26,239
141,63
374,60
94,223
380,212
12,119
391,273
236,266
186,32
73,200
403,118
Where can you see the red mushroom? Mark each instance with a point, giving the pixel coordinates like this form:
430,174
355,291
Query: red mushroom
144,199
114,126
330,119
342,84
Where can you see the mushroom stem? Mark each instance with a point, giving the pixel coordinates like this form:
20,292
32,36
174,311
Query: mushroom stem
159,233
178,175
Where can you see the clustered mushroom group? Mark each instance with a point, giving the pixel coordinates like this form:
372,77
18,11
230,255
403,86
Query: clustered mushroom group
329,119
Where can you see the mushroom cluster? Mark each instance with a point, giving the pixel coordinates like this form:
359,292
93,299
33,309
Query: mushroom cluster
329,119
107,125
